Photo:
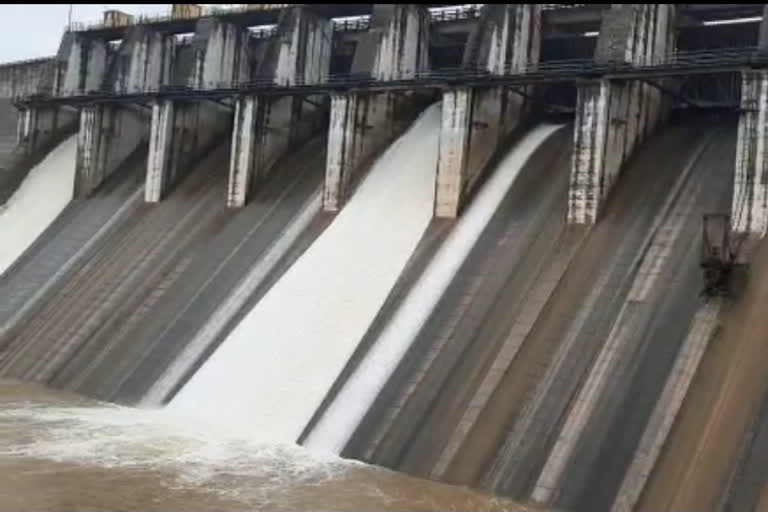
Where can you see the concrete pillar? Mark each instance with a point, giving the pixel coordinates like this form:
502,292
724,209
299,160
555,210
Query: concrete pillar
301,53
474,122
38,126
400,35
108,134
221,56
179,134
83,64
265,127
749,207
396,47
142,62
158,157
613,118
359,126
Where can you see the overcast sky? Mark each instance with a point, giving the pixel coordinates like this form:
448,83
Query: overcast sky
30,31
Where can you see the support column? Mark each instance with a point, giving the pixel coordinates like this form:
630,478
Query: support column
453,150
143,61
749,207
107,136
84,61
265,127
395,48
180,133
241,158
222,54
39,126
612,118
359,125
159,159
474,122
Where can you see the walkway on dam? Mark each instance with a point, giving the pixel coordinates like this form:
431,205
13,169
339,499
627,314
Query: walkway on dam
683,63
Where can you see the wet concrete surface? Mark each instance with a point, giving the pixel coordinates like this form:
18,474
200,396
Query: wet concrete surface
659,325
398,418
111,325
65,244
461,409
714,457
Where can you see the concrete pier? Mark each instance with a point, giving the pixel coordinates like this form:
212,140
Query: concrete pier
749,208
221,54
395,47
475,121
142,62
179,132
613,118
264,128
82,63
38,126
107,136
109,133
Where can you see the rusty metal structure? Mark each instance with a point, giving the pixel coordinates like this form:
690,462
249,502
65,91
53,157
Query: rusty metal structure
723,272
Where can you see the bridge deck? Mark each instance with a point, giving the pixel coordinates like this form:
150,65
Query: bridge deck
574,70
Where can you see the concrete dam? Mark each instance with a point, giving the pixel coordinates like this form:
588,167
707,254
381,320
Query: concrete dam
461,242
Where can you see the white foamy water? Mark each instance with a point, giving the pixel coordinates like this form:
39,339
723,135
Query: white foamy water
275,368
61,453
122,437
360,390
38,201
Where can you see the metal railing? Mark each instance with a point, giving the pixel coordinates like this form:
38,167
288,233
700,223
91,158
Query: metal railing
352,24
673,64
145,19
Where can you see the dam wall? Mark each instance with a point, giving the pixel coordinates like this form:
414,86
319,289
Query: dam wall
506,39
27,77
396,47
749,210
499,340
612,119
264,128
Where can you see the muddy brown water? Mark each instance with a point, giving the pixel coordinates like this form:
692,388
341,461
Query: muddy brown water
61,452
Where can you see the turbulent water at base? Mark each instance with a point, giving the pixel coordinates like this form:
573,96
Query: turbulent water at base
63,453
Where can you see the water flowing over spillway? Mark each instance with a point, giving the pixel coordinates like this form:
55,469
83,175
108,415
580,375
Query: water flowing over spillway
275,368
38,201
360,390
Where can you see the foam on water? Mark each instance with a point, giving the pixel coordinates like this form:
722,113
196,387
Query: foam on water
66,454
38,201
275,368
113,437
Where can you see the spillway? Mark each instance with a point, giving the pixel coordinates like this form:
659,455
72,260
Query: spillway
342,417
276,366
37,202
147,276
481,393
607,420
